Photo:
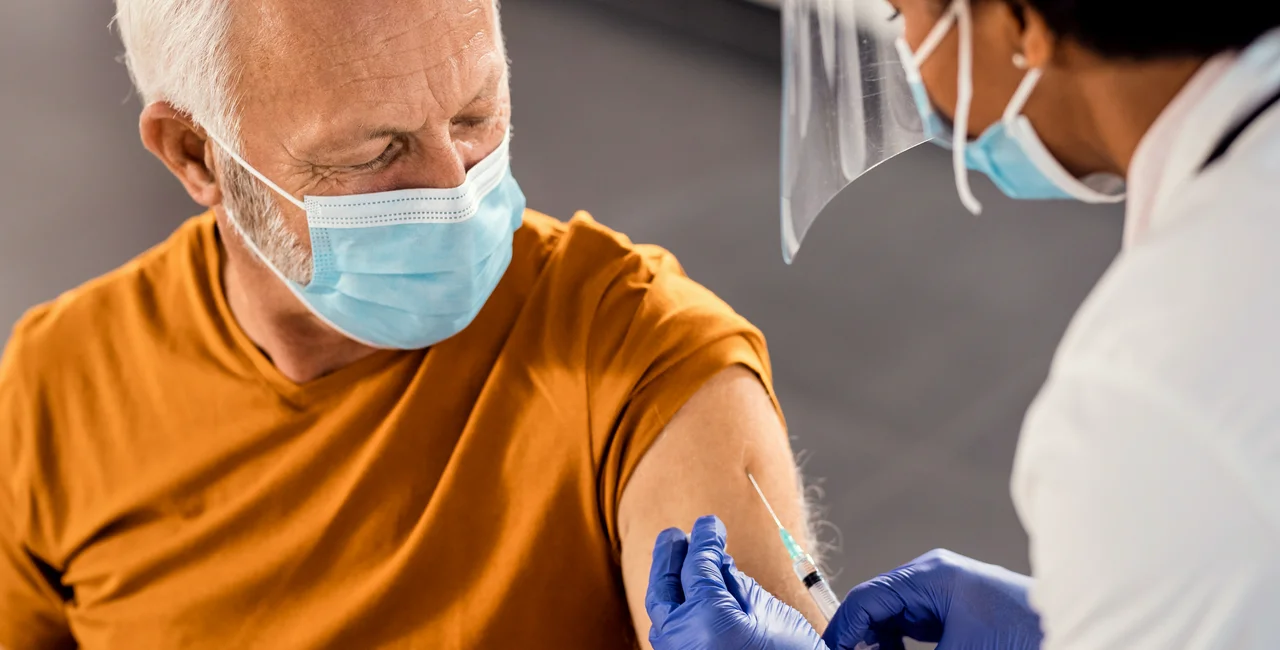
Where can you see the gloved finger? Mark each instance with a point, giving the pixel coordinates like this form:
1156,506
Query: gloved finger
872,604
665,593
738,583
703,572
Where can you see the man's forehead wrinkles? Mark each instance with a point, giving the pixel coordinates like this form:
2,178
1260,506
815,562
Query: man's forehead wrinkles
398,85
398,102
379,79
338,73
369,59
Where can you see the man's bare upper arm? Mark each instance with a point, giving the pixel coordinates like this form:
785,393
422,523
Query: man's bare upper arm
697,467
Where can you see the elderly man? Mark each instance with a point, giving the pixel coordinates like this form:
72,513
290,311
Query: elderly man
367,400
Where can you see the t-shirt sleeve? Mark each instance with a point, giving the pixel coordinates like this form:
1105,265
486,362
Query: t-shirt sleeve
656,338
31,613
1149,527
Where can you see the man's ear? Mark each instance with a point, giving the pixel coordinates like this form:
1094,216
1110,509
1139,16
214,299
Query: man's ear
185,149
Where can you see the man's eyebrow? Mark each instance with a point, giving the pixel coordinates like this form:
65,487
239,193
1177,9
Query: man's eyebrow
378,133
309,151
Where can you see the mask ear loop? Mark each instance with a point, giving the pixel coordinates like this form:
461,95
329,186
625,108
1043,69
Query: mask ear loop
964,100
244,235
1023,93
256,174
935,36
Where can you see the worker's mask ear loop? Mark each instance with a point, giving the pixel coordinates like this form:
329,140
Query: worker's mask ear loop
964,99
934,38
1023,93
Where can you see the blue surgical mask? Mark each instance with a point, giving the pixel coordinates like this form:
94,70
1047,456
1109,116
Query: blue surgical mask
409,268
936,129
1009,152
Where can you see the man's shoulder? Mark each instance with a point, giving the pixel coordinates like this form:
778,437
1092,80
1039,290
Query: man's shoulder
599,268
114,307
591,248
626,302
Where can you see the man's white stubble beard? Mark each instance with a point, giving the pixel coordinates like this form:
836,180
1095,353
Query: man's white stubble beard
255,215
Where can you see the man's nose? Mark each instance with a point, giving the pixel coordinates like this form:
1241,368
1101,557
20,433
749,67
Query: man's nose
442,166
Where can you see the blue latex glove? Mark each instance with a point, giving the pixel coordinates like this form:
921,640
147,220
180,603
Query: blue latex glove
698,600
943,598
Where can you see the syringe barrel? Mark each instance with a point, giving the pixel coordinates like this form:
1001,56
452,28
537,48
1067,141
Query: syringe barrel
804,566
817,585
825,598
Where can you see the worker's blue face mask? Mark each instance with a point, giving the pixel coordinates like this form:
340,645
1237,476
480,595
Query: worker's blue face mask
409,268
1009,152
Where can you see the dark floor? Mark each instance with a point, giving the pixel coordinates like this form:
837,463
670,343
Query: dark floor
907,339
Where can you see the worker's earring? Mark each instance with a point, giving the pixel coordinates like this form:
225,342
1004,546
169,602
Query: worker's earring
1020,61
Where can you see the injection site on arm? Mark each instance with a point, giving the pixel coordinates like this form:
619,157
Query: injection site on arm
684,475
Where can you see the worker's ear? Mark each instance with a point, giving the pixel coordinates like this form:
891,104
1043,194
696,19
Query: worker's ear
1035,41
173,138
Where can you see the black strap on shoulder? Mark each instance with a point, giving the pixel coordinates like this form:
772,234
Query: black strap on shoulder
1234,134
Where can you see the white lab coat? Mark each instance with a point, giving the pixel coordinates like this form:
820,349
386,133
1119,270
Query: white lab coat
1148,473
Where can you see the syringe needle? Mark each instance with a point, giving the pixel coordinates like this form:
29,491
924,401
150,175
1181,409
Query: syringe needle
804,566
766,501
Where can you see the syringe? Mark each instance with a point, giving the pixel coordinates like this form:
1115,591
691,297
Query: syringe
803,565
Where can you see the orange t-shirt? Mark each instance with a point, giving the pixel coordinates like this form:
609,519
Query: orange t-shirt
162,485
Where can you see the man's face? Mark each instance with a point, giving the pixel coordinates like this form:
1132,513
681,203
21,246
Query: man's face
341,98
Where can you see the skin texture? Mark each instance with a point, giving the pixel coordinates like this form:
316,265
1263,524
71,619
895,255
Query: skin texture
1090,111
329,87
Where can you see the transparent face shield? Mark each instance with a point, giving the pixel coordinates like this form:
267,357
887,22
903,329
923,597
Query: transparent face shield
847,106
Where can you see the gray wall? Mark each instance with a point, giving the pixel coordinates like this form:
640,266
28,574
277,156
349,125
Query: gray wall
907,339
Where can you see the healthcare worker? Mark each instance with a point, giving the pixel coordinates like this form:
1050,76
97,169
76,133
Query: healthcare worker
1148,471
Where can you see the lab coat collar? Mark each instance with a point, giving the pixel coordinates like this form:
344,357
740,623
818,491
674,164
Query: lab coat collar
1170,155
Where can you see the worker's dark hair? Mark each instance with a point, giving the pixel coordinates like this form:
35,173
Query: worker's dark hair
1150,29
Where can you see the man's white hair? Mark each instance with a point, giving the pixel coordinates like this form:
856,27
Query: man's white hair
177,52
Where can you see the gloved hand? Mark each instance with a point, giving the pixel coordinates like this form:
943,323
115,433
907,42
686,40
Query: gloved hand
943,598
698,600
